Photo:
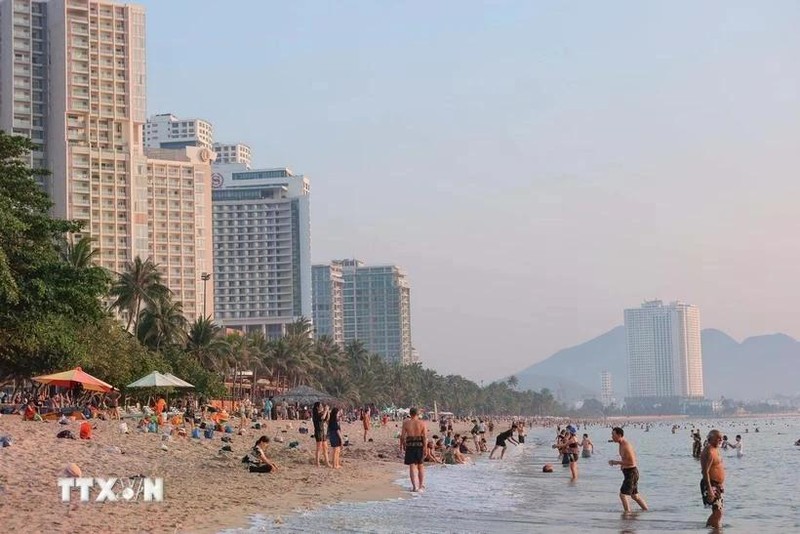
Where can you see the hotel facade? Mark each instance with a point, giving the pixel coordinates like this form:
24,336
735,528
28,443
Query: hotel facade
665,358
73,79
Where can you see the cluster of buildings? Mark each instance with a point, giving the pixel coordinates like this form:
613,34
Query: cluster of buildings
233,241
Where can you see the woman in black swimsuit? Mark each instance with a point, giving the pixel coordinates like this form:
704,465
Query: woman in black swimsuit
573,448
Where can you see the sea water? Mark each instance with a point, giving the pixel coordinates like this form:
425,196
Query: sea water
513,495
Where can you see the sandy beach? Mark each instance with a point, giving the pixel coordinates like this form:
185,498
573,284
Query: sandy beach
204,490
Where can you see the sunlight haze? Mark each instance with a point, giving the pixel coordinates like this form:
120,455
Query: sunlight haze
535,167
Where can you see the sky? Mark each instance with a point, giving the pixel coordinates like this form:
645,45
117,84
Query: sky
536,167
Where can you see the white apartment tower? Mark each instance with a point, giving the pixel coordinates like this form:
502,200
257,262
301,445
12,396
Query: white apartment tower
168,131
262,248
606,389
235,153
72,78
23,74
327,301
375,304
664,351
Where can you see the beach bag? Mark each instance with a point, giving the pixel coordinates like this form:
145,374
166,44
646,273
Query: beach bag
152,427
196,433
209,433
5,441
228,429
123,428
66,434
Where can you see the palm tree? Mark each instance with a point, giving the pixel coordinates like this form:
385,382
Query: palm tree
139,285
162,322
512,381
79,255
357,357
206,343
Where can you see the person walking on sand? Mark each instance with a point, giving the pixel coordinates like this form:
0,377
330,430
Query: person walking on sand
413,437
713,478
630,484
365,420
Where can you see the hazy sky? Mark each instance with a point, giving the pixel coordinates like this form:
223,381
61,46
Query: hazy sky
535,166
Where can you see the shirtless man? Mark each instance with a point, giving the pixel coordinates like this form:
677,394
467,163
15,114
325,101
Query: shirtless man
412,440
711,485
629,470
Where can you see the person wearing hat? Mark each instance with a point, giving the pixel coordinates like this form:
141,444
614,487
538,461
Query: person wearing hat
572,450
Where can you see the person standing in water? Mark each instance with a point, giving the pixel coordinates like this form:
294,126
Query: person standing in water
697,445
500,442
412,441
713,478
572,450
738,445
630,484
587,447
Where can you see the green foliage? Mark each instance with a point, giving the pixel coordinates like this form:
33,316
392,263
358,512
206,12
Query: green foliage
52,319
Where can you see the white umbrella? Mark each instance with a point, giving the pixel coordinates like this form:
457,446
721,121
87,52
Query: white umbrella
155,380
179,383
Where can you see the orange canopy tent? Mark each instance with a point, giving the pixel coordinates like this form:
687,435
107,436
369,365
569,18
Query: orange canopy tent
73,377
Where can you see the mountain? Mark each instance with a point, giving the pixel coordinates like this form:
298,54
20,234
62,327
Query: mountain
757,368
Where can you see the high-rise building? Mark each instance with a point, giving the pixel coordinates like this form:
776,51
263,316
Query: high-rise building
664,352
376,306
179,231
606,389
72,77
327,304
235,153
23,75
168,131
262,247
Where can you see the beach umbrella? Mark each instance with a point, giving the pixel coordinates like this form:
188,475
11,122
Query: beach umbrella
155,380
179,383
306,395
72,378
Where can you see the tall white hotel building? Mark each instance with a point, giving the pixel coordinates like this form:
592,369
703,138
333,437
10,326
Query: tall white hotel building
665,357
262,248
72,78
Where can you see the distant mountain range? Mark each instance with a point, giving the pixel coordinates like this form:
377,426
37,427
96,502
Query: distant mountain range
757,368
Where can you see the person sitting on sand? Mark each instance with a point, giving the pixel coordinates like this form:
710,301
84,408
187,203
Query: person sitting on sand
463,448
29,414
257,458
483,445
430,453
458,457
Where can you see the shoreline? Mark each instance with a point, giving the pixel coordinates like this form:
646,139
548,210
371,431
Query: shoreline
378,486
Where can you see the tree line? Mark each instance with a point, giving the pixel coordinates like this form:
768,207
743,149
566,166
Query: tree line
59,310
